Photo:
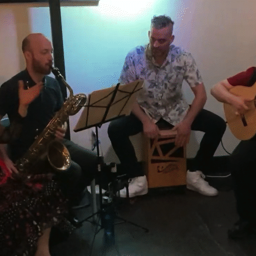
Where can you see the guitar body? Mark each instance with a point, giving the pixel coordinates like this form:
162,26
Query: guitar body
242,126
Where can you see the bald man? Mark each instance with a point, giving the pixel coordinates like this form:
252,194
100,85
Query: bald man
37,50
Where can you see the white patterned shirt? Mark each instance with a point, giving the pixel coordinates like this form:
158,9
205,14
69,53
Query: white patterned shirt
161,96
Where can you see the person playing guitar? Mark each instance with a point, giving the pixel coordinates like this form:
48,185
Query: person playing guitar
238,95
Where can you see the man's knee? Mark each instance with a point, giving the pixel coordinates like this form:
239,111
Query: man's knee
73,174
114,130
216,124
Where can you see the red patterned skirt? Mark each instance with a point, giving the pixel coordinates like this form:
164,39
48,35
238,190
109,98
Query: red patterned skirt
26,210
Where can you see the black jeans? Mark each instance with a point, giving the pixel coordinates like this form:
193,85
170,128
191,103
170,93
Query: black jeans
243,169
120,129
81,172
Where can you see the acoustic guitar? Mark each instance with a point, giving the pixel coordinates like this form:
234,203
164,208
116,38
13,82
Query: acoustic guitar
242,126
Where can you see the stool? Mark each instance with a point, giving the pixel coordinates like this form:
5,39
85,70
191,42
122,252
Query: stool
165,163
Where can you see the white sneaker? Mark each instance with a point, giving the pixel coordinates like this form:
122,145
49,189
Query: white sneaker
196,182
97,189
138,186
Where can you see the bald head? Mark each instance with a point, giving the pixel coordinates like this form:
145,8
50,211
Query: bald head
37,50
31,40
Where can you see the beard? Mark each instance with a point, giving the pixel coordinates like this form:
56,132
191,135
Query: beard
158,52
41,69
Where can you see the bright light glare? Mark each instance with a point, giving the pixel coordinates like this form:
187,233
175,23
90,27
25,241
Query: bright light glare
124,8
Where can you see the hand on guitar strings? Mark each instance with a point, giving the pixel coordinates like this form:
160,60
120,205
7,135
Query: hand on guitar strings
241,105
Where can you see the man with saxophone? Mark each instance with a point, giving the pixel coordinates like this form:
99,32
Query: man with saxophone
243,159
37,50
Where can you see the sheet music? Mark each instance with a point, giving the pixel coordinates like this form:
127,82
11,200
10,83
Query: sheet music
100,109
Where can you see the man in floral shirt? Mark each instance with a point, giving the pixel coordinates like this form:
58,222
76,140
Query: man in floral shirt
164,67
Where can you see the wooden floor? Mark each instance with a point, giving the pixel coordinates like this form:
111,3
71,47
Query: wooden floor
180,224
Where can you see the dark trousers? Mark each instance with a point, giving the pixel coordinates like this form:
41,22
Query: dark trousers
121,129
243,169
81,172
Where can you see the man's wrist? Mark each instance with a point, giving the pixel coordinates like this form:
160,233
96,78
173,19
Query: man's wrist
23,110
231,99
146,120
188,121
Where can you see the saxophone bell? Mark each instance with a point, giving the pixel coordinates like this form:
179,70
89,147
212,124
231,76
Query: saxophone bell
58,156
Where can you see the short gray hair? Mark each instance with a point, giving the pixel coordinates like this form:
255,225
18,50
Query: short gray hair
161,21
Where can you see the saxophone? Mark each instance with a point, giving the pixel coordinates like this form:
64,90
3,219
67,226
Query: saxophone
46,146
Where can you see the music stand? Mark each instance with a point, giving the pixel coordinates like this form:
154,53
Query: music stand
103,106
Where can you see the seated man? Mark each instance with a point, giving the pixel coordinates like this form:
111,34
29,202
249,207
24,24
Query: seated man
164,67
29,207
37,50
243,159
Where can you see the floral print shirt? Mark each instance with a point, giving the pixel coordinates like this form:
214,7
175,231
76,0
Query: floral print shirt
161,96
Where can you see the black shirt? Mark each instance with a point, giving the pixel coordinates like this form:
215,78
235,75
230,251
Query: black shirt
40,111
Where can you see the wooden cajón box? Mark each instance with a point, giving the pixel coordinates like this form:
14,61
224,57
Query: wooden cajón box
165,163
